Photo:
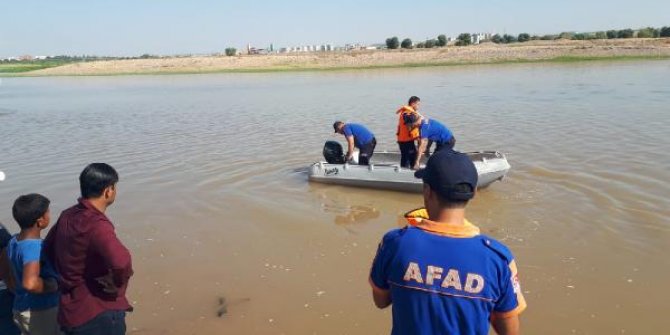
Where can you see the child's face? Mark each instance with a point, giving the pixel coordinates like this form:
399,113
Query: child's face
43,221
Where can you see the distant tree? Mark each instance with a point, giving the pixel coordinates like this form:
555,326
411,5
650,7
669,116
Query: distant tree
431,43
625,33
441,40
464,39
231,51
509,39
565,35
548,37
420,45
535,37
144,56
601,35
497,39
665,32
579,36
612,34
392,42
523,37
648,32
406,44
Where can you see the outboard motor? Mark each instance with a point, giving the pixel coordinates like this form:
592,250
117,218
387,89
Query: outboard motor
333,152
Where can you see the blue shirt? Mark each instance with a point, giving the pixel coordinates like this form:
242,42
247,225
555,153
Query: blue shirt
362,135
435,131
442,284
21,253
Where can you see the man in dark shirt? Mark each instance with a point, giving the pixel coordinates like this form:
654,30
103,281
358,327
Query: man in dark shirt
94,266
7,326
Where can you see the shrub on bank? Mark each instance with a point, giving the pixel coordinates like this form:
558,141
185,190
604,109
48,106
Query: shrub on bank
441,41
406,44
523,37
625,33
392,42
231,51
464,39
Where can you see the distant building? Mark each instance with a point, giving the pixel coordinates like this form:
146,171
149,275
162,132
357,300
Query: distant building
479,37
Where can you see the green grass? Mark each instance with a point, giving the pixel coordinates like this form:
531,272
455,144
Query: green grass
16,69
28,66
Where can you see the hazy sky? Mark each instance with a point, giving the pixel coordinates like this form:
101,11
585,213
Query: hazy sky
124,27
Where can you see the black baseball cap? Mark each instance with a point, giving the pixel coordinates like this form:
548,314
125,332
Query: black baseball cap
337,124
451,174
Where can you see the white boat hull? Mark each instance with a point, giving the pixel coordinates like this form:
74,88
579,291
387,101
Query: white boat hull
385,172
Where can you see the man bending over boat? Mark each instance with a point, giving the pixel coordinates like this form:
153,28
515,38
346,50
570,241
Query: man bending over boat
430,131
357,136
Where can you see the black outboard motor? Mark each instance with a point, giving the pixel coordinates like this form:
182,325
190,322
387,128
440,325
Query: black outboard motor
333,153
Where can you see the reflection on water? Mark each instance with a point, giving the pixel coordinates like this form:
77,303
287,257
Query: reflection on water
214,200
357,214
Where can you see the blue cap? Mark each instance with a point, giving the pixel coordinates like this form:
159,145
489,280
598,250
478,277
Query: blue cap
451,174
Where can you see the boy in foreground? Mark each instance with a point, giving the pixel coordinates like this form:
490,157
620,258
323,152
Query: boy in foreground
36,294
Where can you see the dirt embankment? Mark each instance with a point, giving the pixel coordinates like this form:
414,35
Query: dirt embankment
484,53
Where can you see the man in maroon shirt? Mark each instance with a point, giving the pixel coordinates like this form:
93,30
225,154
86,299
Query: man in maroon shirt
93,264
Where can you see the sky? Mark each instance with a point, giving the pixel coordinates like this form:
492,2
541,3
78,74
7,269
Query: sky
168,27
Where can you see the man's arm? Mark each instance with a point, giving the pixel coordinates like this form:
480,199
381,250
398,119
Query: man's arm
381,297
350,148
5,271
423,143
32,281
506,326
117,258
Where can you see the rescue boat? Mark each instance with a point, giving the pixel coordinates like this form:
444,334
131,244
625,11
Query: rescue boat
384,171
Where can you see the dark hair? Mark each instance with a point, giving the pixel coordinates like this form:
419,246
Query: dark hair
5,236
28,208
95,178
413,99
450,203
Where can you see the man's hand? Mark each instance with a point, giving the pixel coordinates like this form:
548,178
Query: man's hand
107,283
416,166
349,157
50,285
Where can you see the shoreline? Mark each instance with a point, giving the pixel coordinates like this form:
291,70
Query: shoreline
484,54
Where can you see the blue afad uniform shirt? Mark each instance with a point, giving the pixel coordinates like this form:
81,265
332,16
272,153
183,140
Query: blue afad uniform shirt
362,135
21,253
435,131
446,279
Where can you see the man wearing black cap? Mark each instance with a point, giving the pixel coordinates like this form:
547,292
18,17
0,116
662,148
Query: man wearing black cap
440,274
357,136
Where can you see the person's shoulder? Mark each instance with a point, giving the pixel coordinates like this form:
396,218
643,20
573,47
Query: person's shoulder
393,236
496,247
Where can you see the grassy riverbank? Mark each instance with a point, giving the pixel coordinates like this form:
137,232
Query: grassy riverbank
561,51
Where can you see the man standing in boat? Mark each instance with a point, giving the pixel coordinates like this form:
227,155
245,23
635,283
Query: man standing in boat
430,131
439,273
357,136
407,134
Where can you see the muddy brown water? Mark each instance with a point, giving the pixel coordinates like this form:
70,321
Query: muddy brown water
214,202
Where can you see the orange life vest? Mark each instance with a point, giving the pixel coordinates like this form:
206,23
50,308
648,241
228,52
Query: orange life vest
404,134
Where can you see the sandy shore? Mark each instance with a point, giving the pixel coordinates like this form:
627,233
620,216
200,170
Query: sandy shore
562,50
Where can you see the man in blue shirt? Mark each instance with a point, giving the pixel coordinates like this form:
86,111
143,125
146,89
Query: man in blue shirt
357,136
430,131
440,274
